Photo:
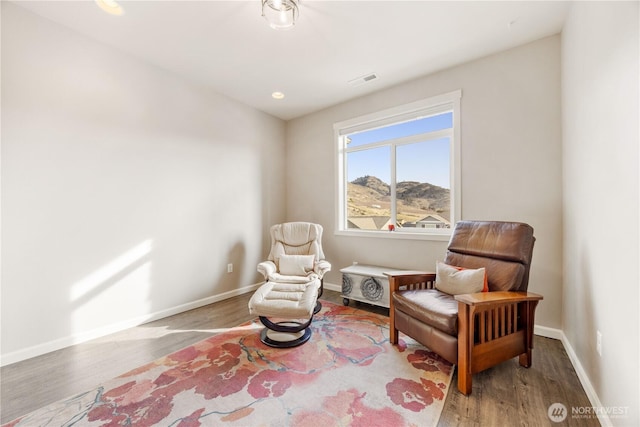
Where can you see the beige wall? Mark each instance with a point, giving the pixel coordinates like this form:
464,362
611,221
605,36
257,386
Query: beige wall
125,190
511,162
122,196
601,258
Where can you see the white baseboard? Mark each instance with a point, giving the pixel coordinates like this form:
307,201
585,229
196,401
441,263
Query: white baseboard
40,349
332,287
546,332
584,380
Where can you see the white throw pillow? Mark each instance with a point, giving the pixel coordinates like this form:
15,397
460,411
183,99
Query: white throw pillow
296,265
455,281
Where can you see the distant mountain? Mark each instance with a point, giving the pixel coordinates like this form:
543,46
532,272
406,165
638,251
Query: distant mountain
369,195
374,183
412,192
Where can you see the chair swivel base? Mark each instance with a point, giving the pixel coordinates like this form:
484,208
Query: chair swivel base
318,306
285,334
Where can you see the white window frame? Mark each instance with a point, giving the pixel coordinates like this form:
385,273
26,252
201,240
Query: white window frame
445,102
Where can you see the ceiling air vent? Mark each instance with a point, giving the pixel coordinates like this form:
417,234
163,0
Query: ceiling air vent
363,79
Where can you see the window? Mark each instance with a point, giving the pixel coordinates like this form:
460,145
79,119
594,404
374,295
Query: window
398,170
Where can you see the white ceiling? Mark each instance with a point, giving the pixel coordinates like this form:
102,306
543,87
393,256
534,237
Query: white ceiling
229,47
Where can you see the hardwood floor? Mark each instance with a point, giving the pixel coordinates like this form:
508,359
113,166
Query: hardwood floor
504,395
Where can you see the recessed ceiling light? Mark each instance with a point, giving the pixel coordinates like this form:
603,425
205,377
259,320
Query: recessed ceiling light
110,6
277,95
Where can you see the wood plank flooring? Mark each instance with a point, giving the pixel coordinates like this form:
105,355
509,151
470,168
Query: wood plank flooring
504,395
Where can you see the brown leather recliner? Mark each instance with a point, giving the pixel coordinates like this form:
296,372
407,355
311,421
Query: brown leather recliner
474,331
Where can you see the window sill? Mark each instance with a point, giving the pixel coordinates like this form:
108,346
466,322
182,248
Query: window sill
438,237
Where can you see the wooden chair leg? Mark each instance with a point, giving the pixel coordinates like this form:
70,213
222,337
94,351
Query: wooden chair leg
465,341
464,381
393,332
525,358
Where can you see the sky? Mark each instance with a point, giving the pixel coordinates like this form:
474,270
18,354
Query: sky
426,161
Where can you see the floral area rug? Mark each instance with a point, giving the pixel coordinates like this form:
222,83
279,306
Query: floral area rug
347,374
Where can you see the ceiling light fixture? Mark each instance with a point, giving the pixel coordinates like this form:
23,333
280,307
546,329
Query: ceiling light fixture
280,14
277,95
110,6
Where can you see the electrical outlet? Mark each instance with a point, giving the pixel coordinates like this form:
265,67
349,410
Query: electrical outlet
599,342
229,268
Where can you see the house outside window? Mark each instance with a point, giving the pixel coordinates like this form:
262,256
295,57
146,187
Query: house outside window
399,171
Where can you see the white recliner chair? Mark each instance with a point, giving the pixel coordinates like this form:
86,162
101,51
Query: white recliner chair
296,255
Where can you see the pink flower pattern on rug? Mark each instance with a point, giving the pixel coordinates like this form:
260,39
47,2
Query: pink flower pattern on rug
348,374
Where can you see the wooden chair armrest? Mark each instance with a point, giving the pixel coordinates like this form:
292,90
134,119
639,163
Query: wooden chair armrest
407,277
497,297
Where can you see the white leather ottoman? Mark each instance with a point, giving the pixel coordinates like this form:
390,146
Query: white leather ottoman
286,301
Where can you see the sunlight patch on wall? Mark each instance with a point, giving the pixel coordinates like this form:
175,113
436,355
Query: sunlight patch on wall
95,280
120,289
